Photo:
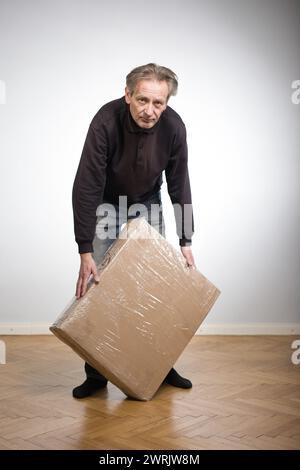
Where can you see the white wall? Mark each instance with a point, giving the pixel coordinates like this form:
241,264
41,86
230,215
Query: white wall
236,60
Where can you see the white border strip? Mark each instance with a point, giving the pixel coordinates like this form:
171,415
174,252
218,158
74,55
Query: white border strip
204,329
249,329
24,329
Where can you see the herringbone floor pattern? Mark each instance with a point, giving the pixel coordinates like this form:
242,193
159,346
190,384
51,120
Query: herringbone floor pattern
245,395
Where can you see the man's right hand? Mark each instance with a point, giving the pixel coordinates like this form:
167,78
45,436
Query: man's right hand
87,268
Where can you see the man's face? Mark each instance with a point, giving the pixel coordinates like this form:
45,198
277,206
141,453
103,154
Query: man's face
147,102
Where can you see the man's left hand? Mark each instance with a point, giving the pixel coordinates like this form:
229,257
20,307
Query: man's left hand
187,253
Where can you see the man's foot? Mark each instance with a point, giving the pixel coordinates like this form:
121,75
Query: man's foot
88,388
173,378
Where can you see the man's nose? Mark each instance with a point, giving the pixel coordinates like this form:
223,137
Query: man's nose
149,109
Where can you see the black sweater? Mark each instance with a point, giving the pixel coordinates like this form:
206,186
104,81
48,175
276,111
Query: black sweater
121,158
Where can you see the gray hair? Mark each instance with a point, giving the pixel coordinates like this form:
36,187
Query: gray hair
152,71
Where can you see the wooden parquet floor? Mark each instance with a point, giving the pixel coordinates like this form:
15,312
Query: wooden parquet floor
245,395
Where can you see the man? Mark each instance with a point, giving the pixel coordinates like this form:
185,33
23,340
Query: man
130,142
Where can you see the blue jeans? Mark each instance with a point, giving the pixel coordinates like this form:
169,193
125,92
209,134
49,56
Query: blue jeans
110,220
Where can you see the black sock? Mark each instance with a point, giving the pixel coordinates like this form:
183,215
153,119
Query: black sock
88,387
173,378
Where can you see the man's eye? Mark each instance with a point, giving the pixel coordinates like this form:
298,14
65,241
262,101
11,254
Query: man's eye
141,100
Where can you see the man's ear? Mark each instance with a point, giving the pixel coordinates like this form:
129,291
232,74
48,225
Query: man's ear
127,95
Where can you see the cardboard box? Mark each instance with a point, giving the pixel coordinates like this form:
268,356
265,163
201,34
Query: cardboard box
134,324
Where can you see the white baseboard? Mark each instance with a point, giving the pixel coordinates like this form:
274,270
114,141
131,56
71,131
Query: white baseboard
25,329
249,329
205,329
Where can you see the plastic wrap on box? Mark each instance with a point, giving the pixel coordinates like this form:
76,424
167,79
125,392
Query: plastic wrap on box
133,325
